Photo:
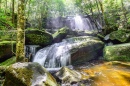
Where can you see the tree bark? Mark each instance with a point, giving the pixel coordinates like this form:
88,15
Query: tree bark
0,4
13,12
5,6
20,54
124,13
102,9
91,10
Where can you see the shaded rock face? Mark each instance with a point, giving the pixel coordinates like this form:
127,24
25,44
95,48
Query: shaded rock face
6,50
59,35
31,51
104,74
89,50
122,36
72,50
38,37
118,52
28,74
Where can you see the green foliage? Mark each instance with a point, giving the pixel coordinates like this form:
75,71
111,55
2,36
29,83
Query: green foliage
7,36
5,20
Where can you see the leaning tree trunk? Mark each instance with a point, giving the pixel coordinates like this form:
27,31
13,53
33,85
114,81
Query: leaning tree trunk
20,54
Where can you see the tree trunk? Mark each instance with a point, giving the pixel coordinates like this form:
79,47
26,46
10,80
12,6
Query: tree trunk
91,10
13,12
99,15
0,4
124,13
102,9
5,6
20,54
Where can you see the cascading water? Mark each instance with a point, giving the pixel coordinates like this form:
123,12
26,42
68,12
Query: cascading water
31,51
58,54
85,24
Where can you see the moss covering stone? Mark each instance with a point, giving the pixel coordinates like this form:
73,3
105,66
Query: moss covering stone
28,74
8,62
117,52
120,35
60,34
6,49
38,37
3,66
21,77
85,48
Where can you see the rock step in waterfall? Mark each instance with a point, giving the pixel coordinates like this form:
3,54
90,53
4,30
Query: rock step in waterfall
31,51
69,51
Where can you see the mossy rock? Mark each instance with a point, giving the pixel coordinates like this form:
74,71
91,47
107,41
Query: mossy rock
121,36
87,48
8,62
6,49
118,52
3,66
28,74
60,34
38,37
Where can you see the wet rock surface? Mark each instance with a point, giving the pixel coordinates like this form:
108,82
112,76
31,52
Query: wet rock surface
113,73
97,73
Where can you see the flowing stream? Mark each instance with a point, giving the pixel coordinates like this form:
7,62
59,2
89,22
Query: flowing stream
58,54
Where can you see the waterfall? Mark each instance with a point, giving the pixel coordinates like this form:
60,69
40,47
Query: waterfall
82,24
31,51
58,54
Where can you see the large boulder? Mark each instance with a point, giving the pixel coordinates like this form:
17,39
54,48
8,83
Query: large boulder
59,35
38,37
87,48
28,74
120,36
118,52
6,50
